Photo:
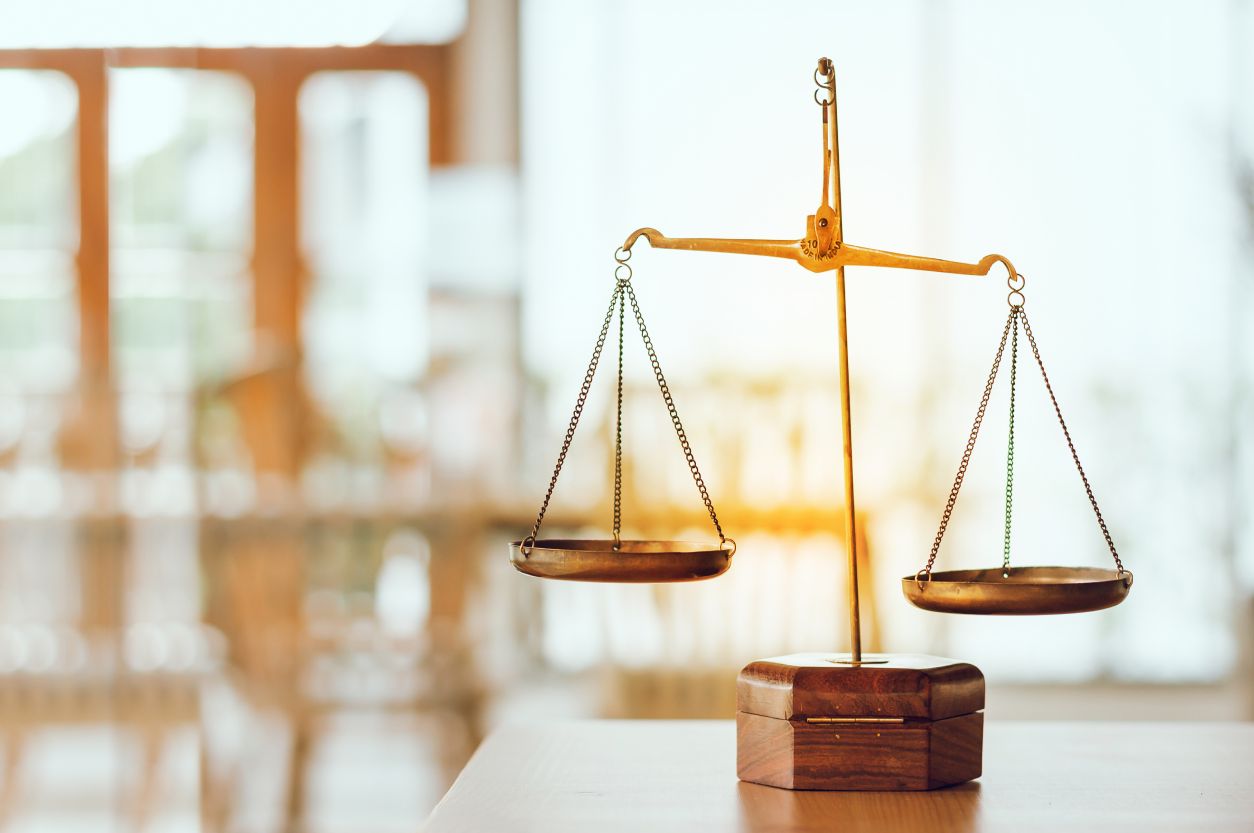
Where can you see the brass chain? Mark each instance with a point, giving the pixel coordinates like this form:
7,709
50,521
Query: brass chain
1010,446
1017,315
966,455
1088,489
623,292
574,419
679,428
618,437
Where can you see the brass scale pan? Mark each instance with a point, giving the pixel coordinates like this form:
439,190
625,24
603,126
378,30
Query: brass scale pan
616,560
636,562
1019,591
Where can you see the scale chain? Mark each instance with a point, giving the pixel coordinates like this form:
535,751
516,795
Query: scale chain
1010,446
1017,315
670,407
966,455
618,437
574,419
1074,456
622,293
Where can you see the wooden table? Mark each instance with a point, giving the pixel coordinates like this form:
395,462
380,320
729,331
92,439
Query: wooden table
659,775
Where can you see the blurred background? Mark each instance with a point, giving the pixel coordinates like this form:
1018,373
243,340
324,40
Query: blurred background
296,299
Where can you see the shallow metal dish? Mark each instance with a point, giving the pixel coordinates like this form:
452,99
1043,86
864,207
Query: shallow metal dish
636,562
1027,591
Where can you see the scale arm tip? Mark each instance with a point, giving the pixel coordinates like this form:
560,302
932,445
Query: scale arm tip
649,234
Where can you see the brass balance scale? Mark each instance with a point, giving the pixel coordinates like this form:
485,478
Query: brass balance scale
839,721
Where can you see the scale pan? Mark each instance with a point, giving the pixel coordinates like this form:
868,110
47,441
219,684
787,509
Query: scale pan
1027,591
636,562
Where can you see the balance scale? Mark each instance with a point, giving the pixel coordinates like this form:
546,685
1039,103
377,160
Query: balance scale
839,721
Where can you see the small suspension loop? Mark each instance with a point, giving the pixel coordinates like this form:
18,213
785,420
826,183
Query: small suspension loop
622,265
528,547
1011,280
823,84
723,543
618,542
1129,578
925,571
622,255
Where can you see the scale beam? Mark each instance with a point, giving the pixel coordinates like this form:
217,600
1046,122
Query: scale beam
803,252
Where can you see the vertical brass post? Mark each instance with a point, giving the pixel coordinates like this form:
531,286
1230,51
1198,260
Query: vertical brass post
851,535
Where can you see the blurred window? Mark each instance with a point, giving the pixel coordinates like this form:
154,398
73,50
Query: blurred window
38,306
92,586
181,180
364,201
40,599
180,163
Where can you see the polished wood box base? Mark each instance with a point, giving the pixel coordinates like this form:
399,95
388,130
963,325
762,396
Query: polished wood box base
893,722
797,755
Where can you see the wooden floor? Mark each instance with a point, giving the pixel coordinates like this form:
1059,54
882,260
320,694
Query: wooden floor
658,776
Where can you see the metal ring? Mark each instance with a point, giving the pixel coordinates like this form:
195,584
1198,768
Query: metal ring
622,265
824,102
624,251
526,551
918,583
618,542
731,541
1130,577
1010,279
1013,305
816,76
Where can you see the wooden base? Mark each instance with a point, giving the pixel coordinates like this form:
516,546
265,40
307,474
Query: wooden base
896,722
797,755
